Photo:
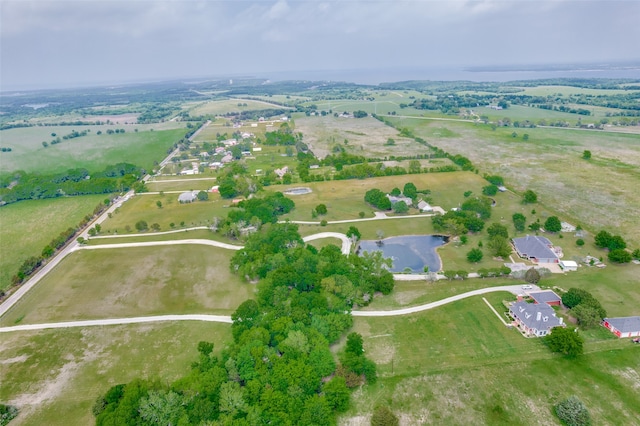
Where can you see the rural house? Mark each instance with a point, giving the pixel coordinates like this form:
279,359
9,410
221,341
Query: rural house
536,249
623,326
188,197
408,201
534,319
423,206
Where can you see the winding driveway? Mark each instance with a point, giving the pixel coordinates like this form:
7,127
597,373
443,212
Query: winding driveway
515,289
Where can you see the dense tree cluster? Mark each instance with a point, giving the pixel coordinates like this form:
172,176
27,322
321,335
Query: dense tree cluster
584,307
279,368
377,199
565,340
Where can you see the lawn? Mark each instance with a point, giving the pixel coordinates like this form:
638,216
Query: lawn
127,282
459,365
27,226
93,152
55,376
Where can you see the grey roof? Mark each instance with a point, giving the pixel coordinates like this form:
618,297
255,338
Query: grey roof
397,199
625,324
534,246
528,314
546,296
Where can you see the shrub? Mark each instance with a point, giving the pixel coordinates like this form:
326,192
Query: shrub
141,225
383,416
579,242
573,412
475,255
553,224
619,256
323,222
532,276
321,209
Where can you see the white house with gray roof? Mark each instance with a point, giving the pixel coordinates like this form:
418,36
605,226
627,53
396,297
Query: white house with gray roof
534,319
536,249
623,326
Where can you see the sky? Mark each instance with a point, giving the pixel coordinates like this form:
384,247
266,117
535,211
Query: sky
57,43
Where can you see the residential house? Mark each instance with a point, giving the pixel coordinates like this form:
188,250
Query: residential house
400,198
423,206
226,159
533,319
281,172
536,249
623,326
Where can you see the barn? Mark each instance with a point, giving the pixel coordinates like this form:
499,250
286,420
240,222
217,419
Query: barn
623,326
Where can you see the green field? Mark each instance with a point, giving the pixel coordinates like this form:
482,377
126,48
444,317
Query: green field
459,365
137,281
55,376
550,163
231,105
26,227
93,152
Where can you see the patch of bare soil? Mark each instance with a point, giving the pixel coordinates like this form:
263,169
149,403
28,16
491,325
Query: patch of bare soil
21,358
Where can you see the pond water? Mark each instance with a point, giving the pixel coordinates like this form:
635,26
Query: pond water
409,251
298,191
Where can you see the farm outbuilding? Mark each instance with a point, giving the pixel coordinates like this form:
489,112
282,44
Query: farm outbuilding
623,326
568,265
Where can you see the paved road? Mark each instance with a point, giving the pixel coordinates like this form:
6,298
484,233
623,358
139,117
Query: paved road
515,289
378,216
117,321
175,231
161,243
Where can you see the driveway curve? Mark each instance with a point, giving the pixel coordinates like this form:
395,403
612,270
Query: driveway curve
515,289
346,242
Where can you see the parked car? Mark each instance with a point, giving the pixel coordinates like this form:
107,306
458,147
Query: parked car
527,287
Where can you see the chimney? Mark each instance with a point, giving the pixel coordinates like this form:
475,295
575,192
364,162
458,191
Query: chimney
538,316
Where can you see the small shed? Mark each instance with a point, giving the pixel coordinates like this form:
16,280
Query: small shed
568,265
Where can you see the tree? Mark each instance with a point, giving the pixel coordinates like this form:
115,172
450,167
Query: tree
534,226
45,144
354,344
519,221
574,296
616,242
573,412
450,274
337,393
552,224
499,246
353,232
159,204
497,229
410,190
141,225
636,254
586,154
529,197
565,341
203,196
490,190
587,315
467,194
321,209
400,207
475,255
579,242
602,239
532,276
383,416
619,256
525,137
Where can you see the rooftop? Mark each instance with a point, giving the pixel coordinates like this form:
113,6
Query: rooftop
538,316
625,324
546,296
534,246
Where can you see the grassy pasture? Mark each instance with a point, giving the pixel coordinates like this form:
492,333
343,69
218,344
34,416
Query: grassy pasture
521,112
598,194
366,136
570,90
136,281
231,105
183,185
459,365
144,207
26,227
93,152
55,376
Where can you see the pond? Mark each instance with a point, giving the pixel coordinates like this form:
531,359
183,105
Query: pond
297,191
409,251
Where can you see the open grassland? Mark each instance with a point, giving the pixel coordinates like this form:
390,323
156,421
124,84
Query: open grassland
365,136
182,185
55,376
522,112
570,90
27,226
93,152
144,207
459,365
599,194
232,106
136,281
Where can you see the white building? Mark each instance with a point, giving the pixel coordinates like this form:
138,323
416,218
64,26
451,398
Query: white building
568,265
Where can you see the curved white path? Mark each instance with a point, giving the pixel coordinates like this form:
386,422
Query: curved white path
516,289
346,242
118,321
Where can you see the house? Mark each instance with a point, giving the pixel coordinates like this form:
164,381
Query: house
547,296
536,249
188,197
400,198
220,149
204,154
568,265
423,206
281,172
257,149
534,319
623,326
226,159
